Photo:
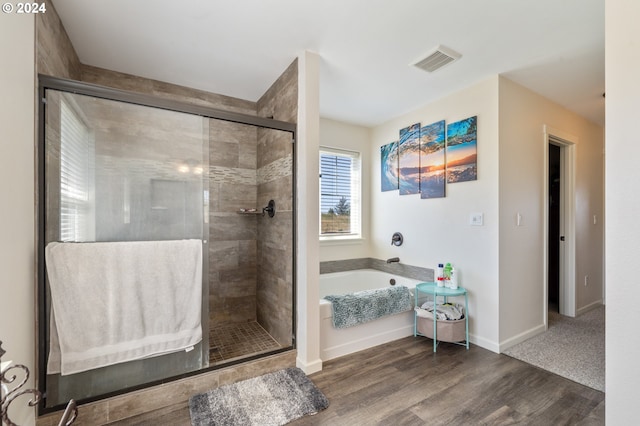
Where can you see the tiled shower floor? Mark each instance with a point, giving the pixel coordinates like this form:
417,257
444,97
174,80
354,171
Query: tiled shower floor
239,339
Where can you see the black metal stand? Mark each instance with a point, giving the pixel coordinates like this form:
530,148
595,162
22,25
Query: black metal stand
69,415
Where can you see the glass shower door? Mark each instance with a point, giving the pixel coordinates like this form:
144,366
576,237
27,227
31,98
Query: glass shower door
122,176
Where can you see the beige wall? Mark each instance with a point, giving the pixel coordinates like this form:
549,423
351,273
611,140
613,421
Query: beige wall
523,116
438,230
502,265
335,134
17,178
622,64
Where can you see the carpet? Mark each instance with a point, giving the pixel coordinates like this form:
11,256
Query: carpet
272,399
573,348
363,306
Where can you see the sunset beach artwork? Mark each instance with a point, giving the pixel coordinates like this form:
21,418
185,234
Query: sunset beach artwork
389,166
461,151
409,159
432,161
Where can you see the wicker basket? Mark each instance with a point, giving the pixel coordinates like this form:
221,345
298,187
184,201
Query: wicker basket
448,331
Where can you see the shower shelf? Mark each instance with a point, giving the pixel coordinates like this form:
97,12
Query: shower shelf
270,209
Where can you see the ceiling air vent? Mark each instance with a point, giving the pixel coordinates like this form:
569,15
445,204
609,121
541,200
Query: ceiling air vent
437,59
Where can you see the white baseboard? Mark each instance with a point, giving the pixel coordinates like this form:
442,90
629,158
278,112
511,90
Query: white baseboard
521,338
365,343
309,367
484,343
589,307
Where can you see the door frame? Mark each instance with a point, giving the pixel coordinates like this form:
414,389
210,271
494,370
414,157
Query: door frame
568,147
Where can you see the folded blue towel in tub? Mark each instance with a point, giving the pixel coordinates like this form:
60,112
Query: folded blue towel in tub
363,306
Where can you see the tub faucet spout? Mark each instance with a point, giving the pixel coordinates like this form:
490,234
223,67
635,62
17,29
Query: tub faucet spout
393,260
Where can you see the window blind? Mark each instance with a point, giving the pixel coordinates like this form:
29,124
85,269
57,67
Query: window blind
75,176
340,184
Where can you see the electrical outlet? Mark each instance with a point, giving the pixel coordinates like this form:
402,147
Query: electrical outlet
476,219
586,280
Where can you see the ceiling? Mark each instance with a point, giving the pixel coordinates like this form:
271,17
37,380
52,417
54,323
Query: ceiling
367,47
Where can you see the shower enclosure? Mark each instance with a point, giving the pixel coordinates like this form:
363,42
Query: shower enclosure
157,218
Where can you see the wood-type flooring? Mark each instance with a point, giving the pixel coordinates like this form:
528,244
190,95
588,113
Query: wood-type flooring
405,383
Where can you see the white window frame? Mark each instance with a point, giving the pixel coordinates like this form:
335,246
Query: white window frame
355,195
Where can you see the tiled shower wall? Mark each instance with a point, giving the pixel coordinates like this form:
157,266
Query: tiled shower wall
275,235
245,248
57,57
232,236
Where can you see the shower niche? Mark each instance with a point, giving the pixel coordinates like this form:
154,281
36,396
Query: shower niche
146,271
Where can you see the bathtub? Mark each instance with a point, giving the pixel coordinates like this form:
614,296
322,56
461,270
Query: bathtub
338,342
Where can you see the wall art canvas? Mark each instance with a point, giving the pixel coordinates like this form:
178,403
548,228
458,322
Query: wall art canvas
461,152
409,159
389,166
432,160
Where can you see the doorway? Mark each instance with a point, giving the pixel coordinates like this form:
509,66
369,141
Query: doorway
554,236
559,287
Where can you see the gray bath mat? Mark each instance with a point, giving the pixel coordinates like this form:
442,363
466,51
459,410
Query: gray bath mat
272,399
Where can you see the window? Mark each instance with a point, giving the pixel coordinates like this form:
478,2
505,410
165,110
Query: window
76,177
339,193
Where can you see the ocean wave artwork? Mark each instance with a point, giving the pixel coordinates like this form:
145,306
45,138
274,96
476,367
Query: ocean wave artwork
409,159
389,166
432,160
462,150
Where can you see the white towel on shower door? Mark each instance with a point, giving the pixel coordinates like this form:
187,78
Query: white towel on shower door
114,302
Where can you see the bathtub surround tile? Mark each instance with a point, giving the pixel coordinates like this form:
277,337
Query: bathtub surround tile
329,267
408,271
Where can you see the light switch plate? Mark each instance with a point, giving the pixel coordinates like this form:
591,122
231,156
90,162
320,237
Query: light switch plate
476,219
